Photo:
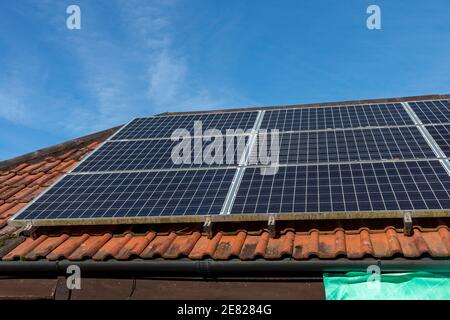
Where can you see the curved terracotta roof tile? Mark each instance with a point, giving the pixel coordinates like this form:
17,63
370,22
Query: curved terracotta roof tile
134,246
89,248
24,248
229,246
205,248
67,247
158,246
279,247
45,247
181,246
112,247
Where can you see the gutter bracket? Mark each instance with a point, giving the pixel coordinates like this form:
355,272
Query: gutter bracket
271,226
407,224
207,227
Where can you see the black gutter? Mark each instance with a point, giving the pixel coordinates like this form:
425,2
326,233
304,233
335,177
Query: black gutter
216,269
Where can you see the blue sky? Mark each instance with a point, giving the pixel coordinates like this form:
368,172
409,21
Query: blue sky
136,58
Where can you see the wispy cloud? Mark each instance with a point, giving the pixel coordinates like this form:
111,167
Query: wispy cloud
167,75
113,77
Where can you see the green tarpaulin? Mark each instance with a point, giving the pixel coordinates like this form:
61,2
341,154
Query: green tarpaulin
398,286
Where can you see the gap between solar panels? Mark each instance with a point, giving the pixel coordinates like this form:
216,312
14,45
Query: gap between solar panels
342,162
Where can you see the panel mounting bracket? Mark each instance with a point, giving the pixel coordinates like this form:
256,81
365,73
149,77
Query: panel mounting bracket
207,227
26,230
271,226
407,223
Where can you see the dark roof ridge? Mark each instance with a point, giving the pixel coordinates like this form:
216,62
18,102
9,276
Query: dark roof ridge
312,105
57,149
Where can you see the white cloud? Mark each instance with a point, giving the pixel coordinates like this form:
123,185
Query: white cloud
12,109
139,72
167,76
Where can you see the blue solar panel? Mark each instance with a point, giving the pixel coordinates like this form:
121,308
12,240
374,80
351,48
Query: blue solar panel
164,126
436,111
412,185
157,154
355,116
350,145
133,194
441,134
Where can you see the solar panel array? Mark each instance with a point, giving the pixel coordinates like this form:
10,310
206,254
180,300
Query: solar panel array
356,158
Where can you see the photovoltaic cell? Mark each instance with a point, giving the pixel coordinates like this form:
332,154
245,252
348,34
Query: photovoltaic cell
436,111
345,187
355,116
157,154
164,126
441,134
349,145
135,194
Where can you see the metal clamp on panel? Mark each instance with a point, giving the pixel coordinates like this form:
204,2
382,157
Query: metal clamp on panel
407,223
207,227
26,230
271,226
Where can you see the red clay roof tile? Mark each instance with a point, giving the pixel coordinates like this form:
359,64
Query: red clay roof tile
67,247
46,167
325,245
16,180
15,208
181,246
229,246
158,246
88,248
19,167
135,246
45,180
31,167
6,177
11,192
205,247
26,194
45,247
112,247
64,167
24,248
